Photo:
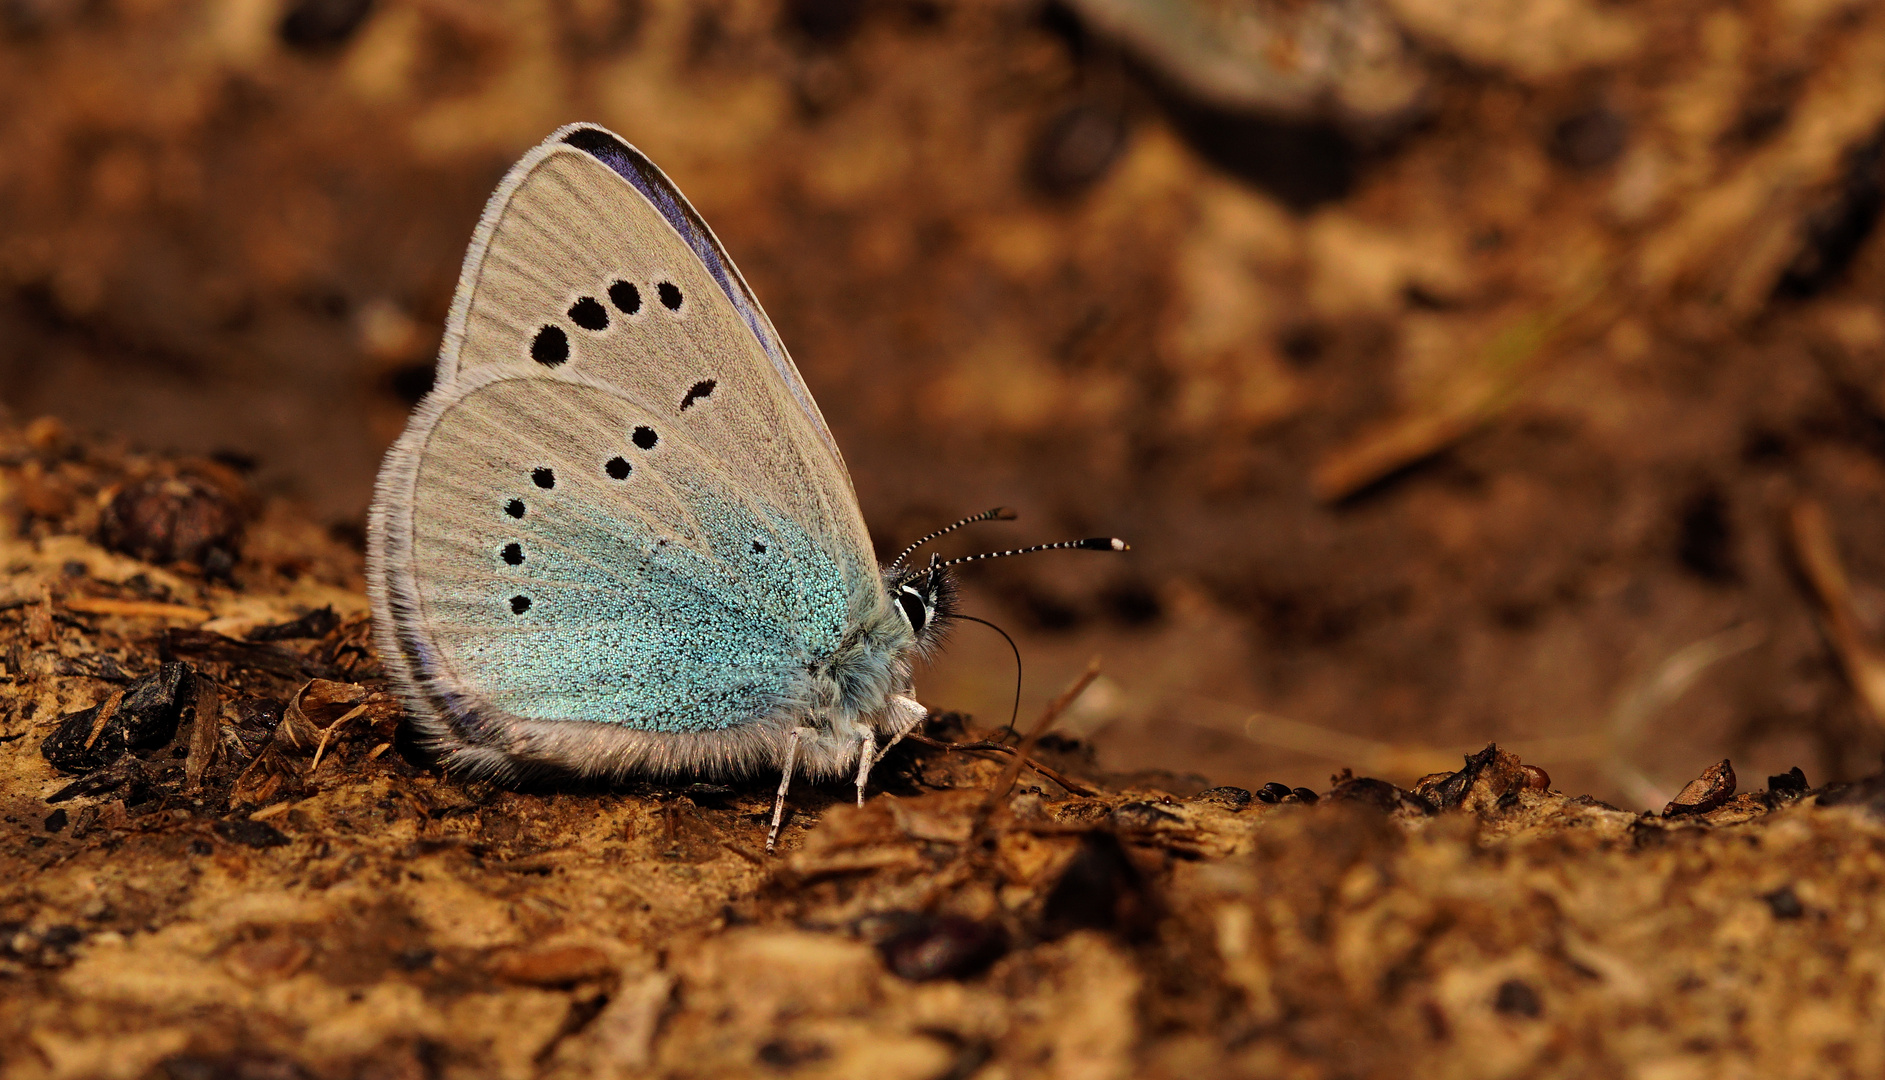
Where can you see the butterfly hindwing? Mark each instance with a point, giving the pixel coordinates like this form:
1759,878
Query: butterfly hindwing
572,575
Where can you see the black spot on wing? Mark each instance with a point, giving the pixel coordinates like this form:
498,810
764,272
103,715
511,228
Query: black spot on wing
759,547
514,508
589,315
699,390
520,604
543,477
617,468
550,347
514,553
645,437
625,296
670,294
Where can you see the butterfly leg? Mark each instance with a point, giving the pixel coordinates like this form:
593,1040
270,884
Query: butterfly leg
914,714
785,783
866,757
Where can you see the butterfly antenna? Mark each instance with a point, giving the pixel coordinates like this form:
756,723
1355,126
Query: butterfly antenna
1016,711
1000,513
1091,543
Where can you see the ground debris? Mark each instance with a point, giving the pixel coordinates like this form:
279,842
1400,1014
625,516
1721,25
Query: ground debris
235,865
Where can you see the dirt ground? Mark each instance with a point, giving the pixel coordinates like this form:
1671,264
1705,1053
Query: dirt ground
1462,371
220,860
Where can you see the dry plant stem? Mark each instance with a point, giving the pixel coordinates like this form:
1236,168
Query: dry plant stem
327,732
1073,787
1819,559
1048,716
148,609
1501,370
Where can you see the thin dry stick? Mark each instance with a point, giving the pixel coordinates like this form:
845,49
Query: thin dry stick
327,732
1819,559
1048,716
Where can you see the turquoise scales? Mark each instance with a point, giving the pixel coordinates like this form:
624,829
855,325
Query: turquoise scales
617,538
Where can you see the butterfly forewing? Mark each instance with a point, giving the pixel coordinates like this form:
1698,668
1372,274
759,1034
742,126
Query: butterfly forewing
580,272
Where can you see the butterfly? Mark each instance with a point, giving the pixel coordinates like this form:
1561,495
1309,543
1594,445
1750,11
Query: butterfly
617,539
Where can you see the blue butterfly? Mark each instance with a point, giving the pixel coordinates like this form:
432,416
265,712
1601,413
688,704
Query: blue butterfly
617,538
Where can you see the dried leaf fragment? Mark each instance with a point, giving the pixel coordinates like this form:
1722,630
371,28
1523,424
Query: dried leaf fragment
1704,793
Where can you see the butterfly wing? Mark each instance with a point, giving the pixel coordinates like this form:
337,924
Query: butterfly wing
699,542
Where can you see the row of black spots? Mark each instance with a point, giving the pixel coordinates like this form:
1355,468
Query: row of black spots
550,346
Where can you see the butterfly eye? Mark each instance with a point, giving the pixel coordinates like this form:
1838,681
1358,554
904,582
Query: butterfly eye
550,347
915,611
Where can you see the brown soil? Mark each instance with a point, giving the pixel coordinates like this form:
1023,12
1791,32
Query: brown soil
220,860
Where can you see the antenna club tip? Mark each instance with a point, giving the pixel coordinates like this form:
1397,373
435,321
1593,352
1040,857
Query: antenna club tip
1121,545
1104,543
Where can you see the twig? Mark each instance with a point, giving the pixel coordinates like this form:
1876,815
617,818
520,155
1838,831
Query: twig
1013,771
1819,559
327,732
149,609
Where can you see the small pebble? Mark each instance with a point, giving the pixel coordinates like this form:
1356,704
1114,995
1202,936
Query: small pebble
1517,998
1784,903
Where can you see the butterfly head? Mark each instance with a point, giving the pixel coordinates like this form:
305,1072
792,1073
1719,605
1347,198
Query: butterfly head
926,598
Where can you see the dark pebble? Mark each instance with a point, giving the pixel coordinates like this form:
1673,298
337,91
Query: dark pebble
1784,904
1078,147
943,947
1590,139
314,25
1517,998
167,519
55,821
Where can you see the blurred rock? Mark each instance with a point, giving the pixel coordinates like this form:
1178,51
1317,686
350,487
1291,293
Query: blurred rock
177,517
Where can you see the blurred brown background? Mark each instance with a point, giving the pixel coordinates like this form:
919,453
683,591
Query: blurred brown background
1459,369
